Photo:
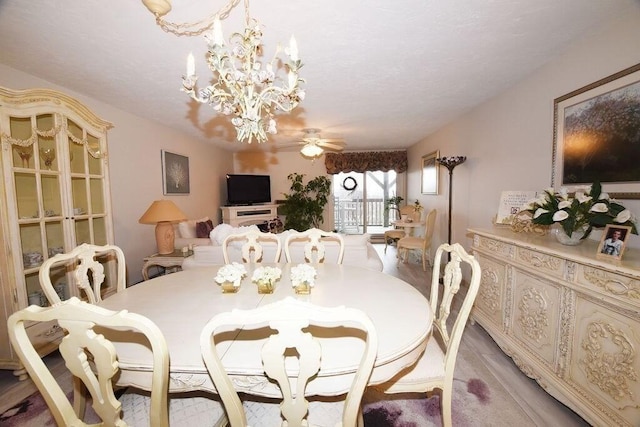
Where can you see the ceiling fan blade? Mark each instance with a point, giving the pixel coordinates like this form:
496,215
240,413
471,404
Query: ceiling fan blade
331,146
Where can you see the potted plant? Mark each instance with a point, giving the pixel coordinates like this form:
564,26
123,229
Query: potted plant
304,205
393,204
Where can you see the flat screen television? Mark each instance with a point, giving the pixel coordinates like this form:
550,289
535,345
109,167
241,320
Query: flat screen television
248,189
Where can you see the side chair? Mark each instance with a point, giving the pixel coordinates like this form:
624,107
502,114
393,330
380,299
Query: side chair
92,359
291,329
82,260
252,250
435,367
314,248
422,244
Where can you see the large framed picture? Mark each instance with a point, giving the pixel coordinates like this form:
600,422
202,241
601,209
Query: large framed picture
430,172
175,173
596,135
613,242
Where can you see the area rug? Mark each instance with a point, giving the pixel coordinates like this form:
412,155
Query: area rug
478,400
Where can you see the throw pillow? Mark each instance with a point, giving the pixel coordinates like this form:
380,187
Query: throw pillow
203,229
187,228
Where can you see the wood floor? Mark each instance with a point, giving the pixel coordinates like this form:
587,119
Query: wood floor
540,407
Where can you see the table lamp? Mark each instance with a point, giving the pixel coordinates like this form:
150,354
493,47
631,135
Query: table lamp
163,213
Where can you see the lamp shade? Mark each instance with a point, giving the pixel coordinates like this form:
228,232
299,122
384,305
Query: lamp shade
160,211
163,213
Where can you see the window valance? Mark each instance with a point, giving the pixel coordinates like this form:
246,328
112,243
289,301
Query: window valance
366,161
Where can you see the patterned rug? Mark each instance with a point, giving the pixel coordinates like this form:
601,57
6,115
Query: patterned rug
478,400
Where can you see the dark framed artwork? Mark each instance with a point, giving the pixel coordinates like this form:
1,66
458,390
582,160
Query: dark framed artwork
613,242
430,172
175,173
596,135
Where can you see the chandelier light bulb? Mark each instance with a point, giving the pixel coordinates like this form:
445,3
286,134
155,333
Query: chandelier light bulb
191,65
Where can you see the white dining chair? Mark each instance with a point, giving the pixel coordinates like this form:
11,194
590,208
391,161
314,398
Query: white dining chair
92,359
252,246
86,262
435,367
314,241
422,244
294,329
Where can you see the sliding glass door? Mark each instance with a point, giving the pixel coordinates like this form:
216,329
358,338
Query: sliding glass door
360,200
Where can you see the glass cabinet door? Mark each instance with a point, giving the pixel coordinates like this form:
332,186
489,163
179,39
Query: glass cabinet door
60,191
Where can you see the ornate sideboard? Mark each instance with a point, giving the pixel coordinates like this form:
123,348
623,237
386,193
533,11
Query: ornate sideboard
568,319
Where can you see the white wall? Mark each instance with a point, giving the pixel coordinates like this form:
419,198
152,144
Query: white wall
136,171
508,140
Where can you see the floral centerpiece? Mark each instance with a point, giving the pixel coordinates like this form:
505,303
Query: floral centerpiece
303,278
265,278
579,213
230,276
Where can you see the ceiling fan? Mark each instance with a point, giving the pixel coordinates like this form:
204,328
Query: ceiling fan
313,145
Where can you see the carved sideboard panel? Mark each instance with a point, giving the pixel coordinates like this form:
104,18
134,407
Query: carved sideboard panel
568,319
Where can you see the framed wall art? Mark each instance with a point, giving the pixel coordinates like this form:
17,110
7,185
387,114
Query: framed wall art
175,173
613,242
430,172
596,135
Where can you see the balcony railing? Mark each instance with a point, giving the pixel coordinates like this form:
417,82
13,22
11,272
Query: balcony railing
351,215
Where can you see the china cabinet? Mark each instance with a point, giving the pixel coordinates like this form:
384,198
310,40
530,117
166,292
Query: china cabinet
54,196
568,319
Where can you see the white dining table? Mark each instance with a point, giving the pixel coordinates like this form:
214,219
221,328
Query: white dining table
180,304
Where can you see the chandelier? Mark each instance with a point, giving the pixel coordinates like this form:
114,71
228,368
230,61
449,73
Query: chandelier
242,86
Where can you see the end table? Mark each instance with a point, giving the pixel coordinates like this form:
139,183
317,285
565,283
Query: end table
170,262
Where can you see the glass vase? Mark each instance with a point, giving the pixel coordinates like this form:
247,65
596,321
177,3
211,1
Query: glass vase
303,288
265,286
565,239
229,288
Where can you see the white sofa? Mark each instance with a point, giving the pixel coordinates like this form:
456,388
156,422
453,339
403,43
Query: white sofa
358,251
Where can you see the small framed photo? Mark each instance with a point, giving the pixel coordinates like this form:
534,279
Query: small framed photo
430,171
614,241
175,173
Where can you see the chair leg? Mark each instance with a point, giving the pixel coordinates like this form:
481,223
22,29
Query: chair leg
445,403
79,397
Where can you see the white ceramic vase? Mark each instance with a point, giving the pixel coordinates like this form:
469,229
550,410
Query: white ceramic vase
573,240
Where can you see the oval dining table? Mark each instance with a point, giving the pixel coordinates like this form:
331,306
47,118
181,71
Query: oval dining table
180,304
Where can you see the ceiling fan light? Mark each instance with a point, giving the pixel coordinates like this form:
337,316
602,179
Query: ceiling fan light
311,150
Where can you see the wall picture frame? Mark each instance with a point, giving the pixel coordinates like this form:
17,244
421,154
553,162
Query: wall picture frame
175,173
613,242
596,135
430,172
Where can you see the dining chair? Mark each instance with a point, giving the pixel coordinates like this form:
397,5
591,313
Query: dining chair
435,367
252,250
295,330
91,358
423,244
88,271
314,247
398,233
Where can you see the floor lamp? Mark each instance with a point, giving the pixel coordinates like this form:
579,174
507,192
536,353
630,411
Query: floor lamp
450,163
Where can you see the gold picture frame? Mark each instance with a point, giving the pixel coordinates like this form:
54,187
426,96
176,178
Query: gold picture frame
592,138
613,242
430,173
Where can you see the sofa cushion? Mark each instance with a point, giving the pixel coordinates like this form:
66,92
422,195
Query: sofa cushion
203,229
187,229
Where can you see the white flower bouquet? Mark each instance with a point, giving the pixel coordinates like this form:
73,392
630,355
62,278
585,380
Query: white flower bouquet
303,273
231,273
266,274
589,207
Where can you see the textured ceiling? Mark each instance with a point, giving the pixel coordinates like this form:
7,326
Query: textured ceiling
380,74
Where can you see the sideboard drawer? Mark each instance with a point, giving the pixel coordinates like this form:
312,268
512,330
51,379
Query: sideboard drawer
615,285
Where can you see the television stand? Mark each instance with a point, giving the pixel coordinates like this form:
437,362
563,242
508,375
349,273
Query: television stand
237,216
